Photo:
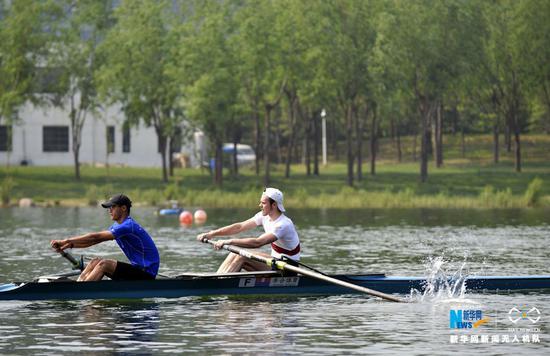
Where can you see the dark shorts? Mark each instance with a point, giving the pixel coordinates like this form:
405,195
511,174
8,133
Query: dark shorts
125,271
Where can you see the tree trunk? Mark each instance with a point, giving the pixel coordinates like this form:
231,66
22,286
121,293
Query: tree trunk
170,157
547,99
373,141
76,149
496,129
425,112
257,140
307,153
415,139
496,147
9,128
235,161
277,139
359,136
267,119
162,146
218,166
398,143
508,137
424,150
349,143
76,127
462,143
237,136
292,116
315,121
517,150
392,130
428,134
76,163
334,140
455,119
437,134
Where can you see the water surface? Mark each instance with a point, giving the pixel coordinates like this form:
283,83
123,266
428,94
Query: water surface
398,242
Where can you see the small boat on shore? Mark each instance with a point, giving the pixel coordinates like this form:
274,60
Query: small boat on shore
63,287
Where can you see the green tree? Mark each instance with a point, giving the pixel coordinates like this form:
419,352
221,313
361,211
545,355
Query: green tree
139,51
502,50
209,73
263,80
304,54
352,42
23,40
426,42
75,60
533,40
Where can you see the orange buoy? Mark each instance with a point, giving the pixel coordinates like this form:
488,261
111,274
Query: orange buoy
200,217
186,218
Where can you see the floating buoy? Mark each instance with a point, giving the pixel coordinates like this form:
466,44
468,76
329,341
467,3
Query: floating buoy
200,217
186,218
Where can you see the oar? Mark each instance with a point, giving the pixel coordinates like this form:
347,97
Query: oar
282,265
77,264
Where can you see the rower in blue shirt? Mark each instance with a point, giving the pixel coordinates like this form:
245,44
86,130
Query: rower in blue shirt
132,239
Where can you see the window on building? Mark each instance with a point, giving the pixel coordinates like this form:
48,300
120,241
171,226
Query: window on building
55,139
110,139
5,138
126,138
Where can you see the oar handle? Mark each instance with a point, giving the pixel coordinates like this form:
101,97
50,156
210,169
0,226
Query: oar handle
242,252
77,264
282,265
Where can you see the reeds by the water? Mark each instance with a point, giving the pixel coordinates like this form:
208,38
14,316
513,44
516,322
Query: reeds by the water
350,198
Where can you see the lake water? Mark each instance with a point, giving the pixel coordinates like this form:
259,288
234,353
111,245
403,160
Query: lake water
397,242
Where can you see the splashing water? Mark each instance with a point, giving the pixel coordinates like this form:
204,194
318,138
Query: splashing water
441,282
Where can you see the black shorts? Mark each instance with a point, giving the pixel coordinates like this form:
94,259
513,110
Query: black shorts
126,271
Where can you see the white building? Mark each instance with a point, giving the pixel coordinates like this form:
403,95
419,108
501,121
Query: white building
43,137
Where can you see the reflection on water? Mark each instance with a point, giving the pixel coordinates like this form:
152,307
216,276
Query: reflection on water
82,326
409,242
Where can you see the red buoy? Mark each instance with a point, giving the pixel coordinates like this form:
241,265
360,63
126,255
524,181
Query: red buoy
186,218
200,217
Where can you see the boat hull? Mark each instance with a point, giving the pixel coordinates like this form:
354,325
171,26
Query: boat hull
248,285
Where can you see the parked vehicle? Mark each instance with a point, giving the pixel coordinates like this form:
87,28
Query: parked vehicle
245,154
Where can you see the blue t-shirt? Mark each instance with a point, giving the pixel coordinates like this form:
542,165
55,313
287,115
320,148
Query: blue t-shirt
137,245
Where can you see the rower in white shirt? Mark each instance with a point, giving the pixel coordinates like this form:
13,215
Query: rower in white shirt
279,231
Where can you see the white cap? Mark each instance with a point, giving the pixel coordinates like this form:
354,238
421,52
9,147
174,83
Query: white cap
276,195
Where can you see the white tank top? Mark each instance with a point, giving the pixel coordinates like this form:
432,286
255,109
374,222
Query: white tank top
285,232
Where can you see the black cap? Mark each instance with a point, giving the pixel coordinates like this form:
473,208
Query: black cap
119,199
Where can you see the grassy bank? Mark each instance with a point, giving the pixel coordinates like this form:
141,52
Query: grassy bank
469,182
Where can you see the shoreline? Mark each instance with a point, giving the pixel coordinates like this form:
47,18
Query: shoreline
323,201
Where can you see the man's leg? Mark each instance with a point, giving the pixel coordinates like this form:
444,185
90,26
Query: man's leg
234,263
89,268
101,268
227,263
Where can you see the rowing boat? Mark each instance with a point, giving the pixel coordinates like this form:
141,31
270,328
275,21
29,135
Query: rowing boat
250,283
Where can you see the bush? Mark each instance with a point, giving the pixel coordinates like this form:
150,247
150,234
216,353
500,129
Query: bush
533,193
151,197
92,195
6,190
487,195
504,198
171,192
